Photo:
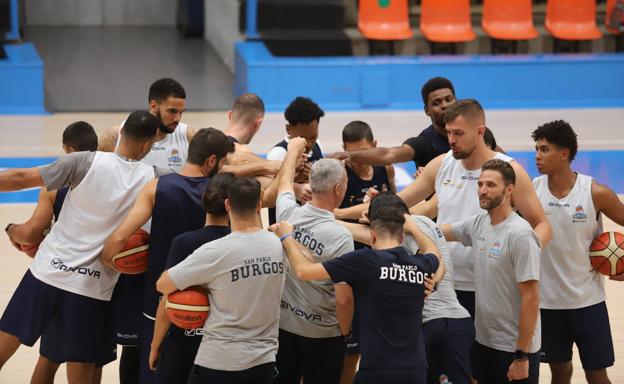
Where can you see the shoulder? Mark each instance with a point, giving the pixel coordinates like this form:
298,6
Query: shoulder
277,153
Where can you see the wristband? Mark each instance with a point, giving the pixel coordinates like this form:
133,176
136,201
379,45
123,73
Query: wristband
520,355
286,236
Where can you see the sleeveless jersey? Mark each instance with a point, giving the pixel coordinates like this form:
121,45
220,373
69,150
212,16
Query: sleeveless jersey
458,199
177,209
357,187
69,256
567,279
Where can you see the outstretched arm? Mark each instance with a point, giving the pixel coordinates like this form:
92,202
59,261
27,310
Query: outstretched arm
20,178
383,156
31,231
304,269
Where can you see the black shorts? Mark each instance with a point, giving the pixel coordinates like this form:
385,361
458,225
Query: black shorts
467,300
127,303
448,343
587,327
352,344
394,376
260,374
72,327
177,355
318,361
493,365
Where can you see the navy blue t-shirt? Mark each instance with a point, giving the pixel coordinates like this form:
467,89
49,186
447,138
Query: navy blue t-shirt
177,209
388,287
428,145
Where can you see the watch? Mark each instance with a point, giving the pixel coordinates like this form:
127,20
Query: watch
521,355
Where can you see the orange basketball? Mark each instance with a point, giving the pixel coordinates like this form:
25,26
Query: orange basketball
132,259
189,308
607,253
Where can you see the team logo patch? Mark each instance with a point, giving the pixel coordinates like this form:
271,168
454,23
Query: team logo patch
495,251
174,158
579,215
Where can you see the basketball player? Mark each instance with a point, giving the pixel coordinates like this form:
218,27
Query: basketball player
175,348
388,286
66,292
167,101
572,294
454,178
239,341
173,202
507,285
315,316
303,116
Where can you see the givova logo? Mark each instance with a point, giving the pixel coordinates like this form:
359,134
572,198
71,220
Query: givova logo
58,264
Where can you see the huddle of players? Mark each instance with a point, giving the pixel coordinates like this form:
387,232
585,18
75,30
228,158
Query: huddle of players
248,306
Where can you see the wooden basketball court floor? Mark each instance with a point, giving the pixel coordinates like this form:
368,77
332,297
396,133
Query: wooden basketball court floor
40,136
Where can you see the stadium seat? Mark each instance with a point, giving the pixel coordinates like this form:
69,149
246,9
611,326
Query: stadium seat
384,19
572,19
614,19
508,19
446,21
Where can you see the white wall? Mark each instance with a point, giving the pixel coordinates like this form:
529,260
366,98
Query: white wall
221,28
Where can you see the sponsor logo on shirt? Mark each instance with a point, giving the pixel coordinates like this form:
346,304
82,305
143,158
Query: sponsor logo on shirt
579,215
559,205
403,273
193,332
58,264
174,158
469,177
158,147
495,251
450,183
315,317
127,336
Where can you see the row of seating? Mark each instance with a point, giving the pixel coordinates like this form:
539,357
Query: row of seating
448,21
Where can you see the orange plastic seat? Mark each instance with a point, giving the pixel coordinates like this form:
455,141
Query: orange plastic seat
384,19
446,21
572,19
508,19
610,10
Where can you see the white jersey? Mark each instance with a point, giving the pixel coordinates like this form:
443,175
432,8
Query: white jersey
170,152
567,279
458,199
69,257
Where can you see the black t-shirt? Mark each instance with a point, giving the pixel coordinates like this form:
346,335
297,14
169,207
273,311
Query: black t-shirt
428,145
388,287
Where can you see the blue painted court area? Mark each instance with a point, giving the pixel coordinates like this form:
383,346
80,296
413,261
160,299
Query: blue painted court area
607,167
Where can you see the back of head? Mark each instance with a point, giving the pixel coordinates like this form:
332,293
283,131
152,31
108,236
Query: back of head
243,194
247,108
303,110
80,136
503,168
488,137
164,88
215,194
208,142
356,131
140,126
559,133
469,109
325,174
386,214
433,85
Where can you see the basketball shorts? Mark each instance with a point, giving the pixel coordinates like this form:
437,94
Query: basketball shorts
127,303
448,343
587,327
260,374
72,327
493,365
394,376
177,355
352,344
467,300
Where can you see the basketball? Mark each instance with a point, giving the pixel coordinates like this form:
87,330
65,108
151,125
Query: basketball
607,253
132,259
189,308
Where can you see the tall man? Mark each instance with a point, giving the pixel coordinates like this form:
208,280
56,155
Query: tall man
507,260
67,291
572,293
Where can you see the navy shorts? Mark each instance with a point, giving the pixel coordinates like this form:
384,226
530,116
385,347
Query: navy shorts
448,343
72,327
587,327
467,300
177,355
260,374
394,376
127,303
493,365
352,344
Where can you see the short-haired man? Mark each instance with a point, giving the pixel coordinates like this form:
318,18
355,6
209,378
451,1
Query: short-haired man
315,315
507,261
239,341
388,285
572,293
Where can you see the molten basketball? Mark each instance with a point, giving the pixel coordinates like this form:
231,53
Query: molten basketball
607,253
132,259
189,308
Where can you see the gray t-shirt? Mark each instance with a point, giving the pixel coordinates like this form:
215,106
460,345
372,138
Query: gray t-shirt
442,303
506,254
244,274
309,307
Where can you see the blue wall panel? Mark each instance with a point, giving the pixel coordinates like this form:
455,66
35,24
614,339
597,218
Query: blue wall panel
21,81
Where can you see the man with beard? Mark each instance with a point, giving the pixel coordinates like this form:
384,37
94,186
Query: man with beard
166,101
454,176
506,263
174,204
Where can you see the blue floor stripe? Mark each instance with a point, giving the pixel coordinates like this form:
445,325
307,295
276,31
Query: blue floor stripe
607,167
